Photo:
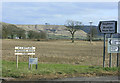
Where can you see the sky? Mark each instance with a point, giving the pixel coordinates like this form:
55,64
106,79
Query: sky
57,13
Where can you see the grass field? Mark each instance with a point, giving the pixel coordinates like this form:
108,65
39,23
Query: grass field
52,71
57,57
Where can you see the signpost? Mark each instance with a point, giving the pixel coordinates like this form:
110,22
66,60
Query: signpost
33,61
113,45
24,51
110,57
104,50
107,27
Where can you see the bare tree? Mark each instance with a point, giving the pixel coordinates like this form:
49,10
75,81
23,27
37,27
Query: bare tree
72,27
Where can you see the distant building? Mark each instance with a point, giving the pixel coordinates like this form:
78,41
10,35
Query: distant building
17,38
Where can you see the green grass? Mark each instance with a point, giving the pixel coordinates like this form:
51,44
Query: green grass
9,69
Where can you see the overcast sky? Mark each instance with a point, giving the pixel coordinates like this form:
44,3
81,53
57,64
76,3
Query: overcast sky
58,12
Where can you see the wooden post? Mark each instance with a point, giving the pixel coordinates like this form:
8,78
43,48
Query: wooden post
17,61
29,63
110,57
31,57
104,50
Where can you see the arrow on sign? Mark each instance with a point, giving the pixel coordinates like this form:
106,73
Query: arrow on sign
110,42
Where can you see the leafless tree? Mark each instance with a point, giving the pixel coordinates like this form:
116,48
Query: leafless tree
72,27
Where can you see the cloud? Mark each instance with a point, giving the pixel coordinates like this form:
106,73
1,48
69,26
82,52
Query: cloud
58,12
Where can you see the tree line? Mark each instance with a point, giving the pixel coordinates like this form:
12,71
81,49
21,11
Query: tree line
11,31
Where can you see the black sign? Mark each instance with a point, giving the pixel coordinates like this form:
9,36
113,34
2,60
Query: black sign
108,26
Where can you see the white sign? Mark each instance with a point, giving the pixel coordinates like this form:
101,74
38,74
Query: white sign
113,45
114,48
25,50
114,41
33,60
24,47
24,53
108,26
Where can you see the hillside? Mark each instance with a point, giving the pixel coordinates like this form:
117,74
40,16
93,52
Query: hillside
59,30
56,30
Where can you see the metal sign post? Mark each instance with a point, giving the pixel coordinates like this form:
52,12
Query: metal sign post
107,27
104,50
110,57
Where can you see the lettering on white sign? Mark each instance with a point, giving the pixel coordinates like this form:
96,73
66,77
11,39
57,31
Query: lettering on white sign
25,50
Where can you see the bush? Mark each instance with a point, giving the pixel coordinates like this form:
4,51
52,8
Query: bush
10,31
36,35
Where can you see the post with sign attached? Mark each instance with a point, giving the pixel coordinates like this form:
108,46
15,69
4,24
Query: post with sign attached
104,50
23,51
114,47
29,64
110,58
107,27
